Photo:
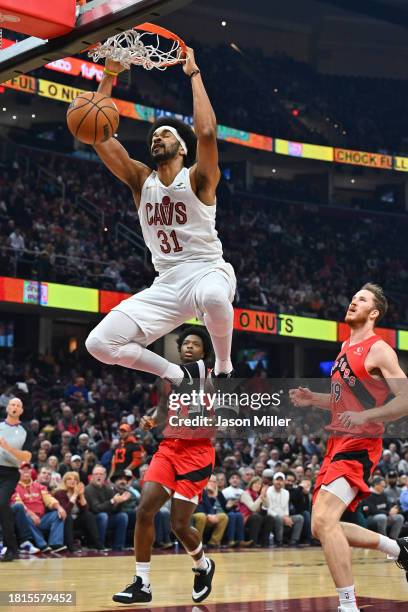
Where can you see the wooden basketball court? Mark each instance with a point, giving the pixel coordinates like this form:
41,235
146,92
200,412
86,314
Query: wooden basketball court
251,581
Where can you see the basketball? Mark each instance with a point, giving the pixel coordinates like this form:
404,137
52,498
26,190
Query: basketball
92,117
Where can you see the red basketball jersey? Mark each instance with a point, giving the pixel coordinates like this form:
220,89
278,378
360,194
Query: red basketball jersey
352,388
204,432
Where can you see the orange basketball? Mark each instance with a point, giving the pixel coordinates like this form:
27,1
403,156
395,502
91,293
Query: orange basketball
92,117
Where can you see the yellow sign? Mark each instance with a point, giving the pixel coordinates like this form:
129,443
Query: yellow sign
402,341
401,164
302,149
57,91
69,297
306,327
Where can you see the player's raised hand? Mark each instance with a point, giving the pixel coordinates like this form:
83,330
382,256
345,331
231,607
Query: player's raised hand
147,422
301,397
189,64
114,66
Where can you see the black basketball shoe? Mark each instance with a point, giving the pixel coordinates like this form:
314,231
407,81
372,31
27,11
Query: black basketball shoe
202,582
195,374
224,386
402,560
135,592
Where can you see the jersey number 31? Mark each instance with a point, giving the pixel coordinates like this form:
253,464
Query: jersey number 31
165,243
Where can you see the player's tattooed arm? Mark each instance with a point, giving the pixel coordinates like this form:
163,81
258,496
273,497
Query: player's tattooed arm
115,157
205,174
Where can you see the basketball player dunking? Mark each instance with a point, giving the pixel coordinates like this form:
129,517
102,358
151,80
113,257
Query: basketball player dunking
180,469
364,375
176,205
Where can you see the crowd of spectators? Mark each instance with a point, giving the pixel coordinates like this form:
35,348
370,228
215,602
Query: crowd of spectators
83,486
297,260
350,112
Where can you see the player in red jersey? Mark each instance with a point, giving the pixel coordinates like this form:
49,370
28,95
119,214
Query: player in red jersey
364,376
180,469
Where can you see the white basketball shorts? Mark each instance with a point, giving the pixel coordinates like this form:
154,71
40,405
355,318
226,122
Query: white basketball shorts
170,301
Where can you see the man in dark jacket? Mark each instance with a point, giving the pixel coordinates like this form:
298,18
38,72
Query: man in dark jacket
380,514
106,505
299,502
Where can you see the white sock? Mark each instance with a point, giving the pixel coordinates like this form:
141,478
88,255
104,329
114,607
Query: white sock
202,562
224,367
389,547
143,570
347,599
173,373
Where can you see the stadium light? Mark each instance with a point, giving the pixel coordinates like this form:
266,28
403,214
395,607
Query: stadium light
223,23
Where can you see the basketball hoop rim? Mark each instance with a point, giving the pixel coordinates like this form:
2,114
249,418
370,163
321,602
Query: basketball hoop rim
152,28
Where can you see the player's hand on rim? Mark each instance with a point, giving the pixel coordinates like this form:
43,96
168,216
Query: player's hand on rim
114,66
189,62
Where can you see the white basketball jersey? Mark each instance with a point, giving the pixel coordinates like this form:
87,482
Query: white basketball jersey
176,226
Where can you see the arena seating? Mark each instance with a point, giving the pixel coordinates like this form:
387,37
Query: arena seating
61,241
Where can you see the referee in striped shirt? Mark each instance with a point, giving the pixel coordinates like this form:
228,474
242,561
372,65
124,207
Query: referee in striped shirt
15,447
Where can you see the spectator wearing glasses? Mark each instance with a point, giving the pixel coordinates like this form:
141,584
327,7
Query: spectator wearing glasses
107,507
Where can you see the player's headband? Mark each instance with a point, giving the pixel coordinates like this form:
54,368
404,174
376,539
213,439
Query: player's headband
175,134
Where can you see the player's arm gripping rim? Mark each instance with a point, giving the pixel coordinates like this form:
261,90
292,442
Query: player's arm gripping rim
115,157
384,359
205,174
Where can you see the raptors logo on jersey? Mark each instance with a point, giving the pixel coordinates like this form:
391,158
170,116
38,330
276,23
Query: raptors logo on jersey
176,226
353,388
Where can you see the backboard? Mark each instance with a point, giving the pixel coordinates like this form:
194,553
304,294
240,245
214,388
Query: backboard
96,21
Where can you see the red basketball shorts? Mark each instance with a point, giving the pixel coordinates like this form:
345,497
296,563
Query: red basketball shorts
184,466
354,459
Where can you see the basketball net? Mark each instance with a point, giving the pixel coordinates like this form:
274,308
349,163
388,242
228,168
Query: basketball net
148,46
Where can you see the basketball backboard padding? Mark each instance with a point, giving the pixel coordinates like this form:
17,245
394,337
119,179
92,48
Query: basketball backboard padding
96,21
